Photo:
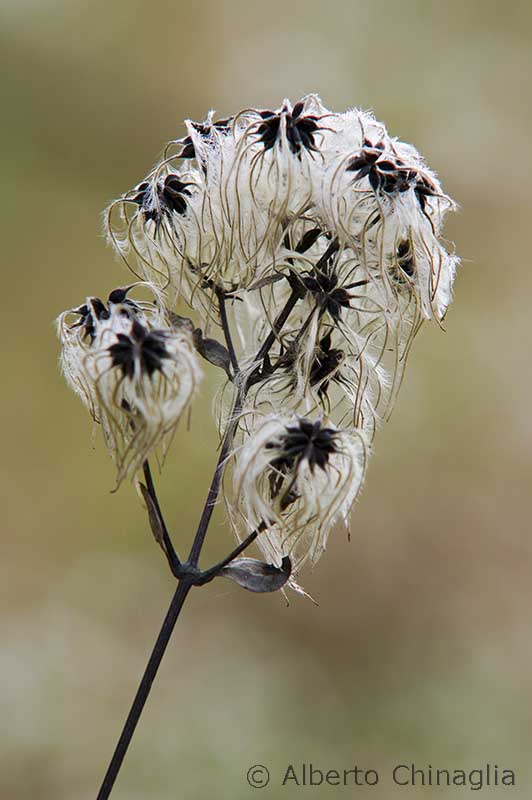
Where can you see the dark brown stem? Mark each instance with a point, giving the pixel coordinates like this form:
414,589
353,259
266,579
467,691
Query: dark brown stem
189,574
214,488
212,572
278,325
144,689
169,549
220,294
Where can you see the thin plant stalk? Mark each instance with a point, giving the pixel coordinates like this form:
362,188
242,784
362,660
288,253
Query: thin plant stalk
191,574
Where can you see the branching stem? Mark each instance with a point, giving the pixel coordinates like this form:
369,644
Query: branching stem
188,573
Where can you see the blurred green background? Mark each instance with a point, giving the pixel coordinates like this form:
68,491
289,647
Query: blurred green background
421,647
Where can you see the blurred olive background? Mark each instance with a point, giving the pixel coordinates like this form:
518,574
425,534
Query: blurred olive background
421,647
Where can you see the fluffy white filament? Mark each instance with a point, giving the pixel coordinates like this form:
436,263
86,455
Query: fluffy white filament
295,499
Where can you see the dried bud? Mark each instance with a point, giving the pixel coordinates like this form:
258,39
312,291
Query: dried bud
255,576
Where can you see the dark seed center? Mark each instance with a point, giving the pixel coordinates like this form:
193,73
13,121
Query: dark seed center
142,347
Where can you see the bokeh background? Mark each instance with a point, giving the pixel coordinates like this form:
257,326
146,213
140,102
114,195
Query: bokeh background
421,647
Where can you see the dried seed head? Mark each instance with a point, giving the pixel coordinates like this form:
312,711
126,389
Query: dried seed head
134,371
294,477
288,126
221,207
315,237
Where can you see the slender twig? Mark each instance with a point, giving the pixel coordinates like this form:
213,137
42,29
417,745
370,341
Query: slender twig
214,488
213,571
297,293
278,324
220,294
169,548
189,573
